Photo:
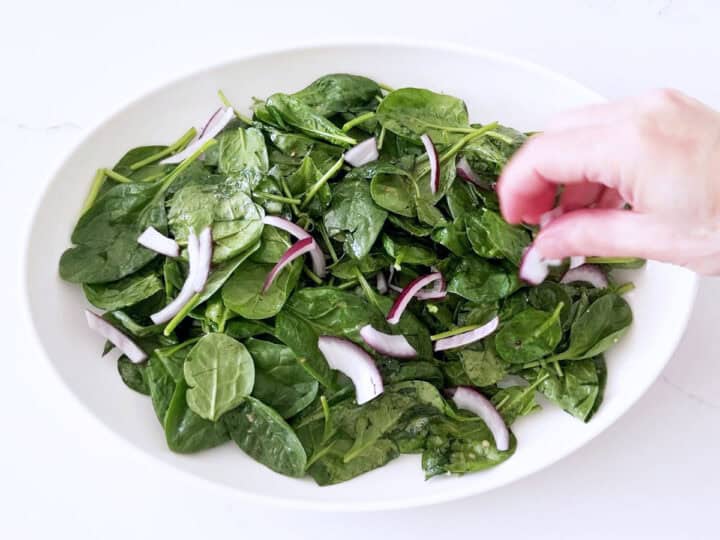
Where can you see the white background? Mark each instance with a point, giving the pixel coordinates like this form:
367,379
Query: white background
64,65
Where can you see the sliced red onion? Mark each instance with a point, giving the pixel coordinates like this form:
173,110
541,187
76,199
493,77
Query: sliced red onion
362,153
396,346
465,171
466,338
204,258
434,162
381,283
354,362
576,261
196,278
407,294
152,239
210,121
533,267
318,258
588,273
469,399
437,292
174,307
214,126
550,215
127,346
298,249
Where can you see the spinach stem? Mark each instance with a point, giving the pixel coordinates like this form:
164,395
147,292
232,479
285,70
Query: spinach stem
327,242
117,177
278,198
177,319
186,163
225,101
97,183
549,321
454,331
317,186
385,87
381,138
524,393
313,373
455,148
326,415
174,147
347,285
317,455
367,289
153,177
288,194
347,126
312,275
610,260
625,288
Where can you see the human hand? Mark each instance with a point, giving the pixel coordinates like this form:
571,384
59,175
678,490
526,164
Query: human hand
660,153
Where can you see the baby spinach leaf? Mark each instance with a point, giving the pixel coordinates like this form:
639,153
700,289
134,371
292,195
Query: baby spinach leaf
235,219
124,292
453,237
220,373
242,292
576,391
481,281
280,380
222,272
354,218
263,435
302,338
173,358
333,312
412,112
488,155
243,151
410,226
133,375
369,264
461,446
185,431
492,237
598,328
331,468
295,147
161,386
339,93
514,402
547,296
461,200
529,335
394,193
303,118
242,328
106,235
273,243
396,371
407,251
483,367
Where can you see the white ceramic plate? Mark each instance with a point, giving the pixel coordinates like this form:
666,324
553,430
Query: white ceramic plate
495,88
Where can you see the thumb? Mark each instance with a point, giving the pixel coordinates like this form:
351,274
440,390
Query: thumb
622,233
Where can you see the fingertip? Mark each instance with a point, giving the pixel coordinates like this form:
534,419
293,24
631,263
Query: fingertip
524,196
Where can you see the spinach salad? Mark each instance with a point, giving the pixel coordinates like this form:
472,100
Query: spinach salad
329,284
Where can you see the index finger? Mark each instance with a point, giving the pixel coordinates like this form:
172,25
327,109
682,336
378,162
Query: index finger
529,182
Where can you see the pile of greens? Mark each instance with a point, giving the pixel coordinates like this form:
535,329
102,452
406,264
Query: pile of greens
240,364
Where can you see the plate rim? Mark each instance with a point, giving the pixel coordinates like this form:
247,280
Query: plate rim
281,501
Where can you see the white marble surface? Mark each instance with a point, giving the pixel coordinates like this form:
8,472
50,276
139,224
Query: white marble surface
66,64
